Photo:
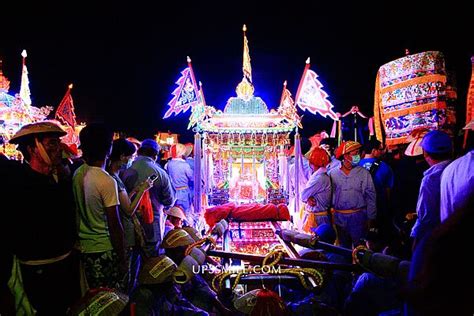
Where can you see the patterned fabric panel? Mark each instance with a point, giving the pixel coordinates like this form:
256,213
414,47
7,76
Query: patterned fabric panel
401,126
410,94
412,66
413,95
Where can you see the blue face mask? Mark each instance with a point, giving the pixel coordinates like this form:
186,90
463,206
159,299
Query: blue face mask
355,160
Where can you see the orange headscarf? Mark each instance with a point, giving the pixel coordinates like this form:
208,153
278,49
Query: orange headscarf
145,208
319,157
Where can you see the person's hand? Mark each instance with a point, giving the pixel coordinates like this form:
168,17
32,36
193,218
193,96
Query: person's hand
311,201
144,186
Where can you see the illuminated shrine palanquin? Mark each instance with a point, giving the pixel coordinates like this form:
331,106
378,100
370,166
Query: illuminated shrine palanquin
243,144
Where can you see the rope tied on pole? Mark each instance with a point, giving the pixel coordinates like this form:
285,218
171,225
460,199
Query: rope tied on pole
272,258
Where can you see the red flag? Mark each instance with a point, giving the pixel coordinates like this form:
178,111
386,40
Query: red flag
65,110
311,97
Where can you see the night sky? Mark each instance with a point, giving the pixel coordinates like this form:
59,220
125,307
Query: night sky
123,59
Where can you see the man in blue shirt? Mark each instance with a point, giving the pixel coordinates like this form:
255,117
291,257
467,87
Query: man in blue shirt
317,193
162,193
437,151
181,176
383,178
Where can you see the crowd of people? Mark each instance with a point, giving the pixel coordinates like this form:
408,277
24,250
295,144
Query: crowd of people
405,203
116,219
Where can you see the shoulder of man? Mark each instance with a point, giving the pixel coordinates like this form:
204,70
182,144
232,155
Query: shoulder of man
103,176
375,166
361,171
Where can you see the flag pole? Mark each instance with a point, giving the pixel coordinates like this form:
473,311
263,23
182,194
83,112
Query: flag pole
192,72
202,94
24,88
283,92
246,64
298,147
302,79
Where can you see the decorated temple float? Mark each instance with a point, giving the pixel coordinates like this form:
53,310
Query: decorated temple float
16,111
242,149
245,167
241,160
241,155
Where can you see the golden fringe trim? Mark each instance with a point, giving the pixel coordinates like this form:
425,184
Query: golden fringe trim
470,99
439,105
396,141
377,116
414,81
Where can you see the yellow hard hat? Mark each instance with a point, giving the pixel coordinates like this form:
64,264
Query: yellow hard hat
193,233
176,238
100,301
157,270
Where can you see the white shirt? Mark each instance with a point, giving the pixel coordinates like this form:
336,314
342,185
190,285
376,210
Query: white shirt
94,191
457,184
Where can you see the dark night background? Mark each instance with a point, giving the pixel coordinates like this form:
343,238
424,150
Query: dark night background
124,58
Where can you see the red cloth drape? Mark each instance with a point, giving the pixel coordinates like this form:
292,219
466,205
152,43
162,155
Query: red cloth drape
216,213
247,212
145,208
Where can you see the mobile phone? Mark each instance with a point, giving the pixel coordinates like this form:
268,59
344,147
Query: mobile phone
153,177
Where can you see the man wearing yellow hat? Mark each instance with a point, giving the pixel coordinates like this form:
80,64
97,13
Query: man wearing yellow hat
353,196
41,227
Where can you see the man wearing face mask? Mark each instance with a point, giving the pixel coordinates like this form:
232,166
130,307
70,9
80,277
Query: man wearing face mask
353,196
42,225
120,159
161,194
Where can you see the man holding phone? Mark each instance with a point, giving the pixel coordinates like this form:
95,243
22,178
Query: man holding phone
161,194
